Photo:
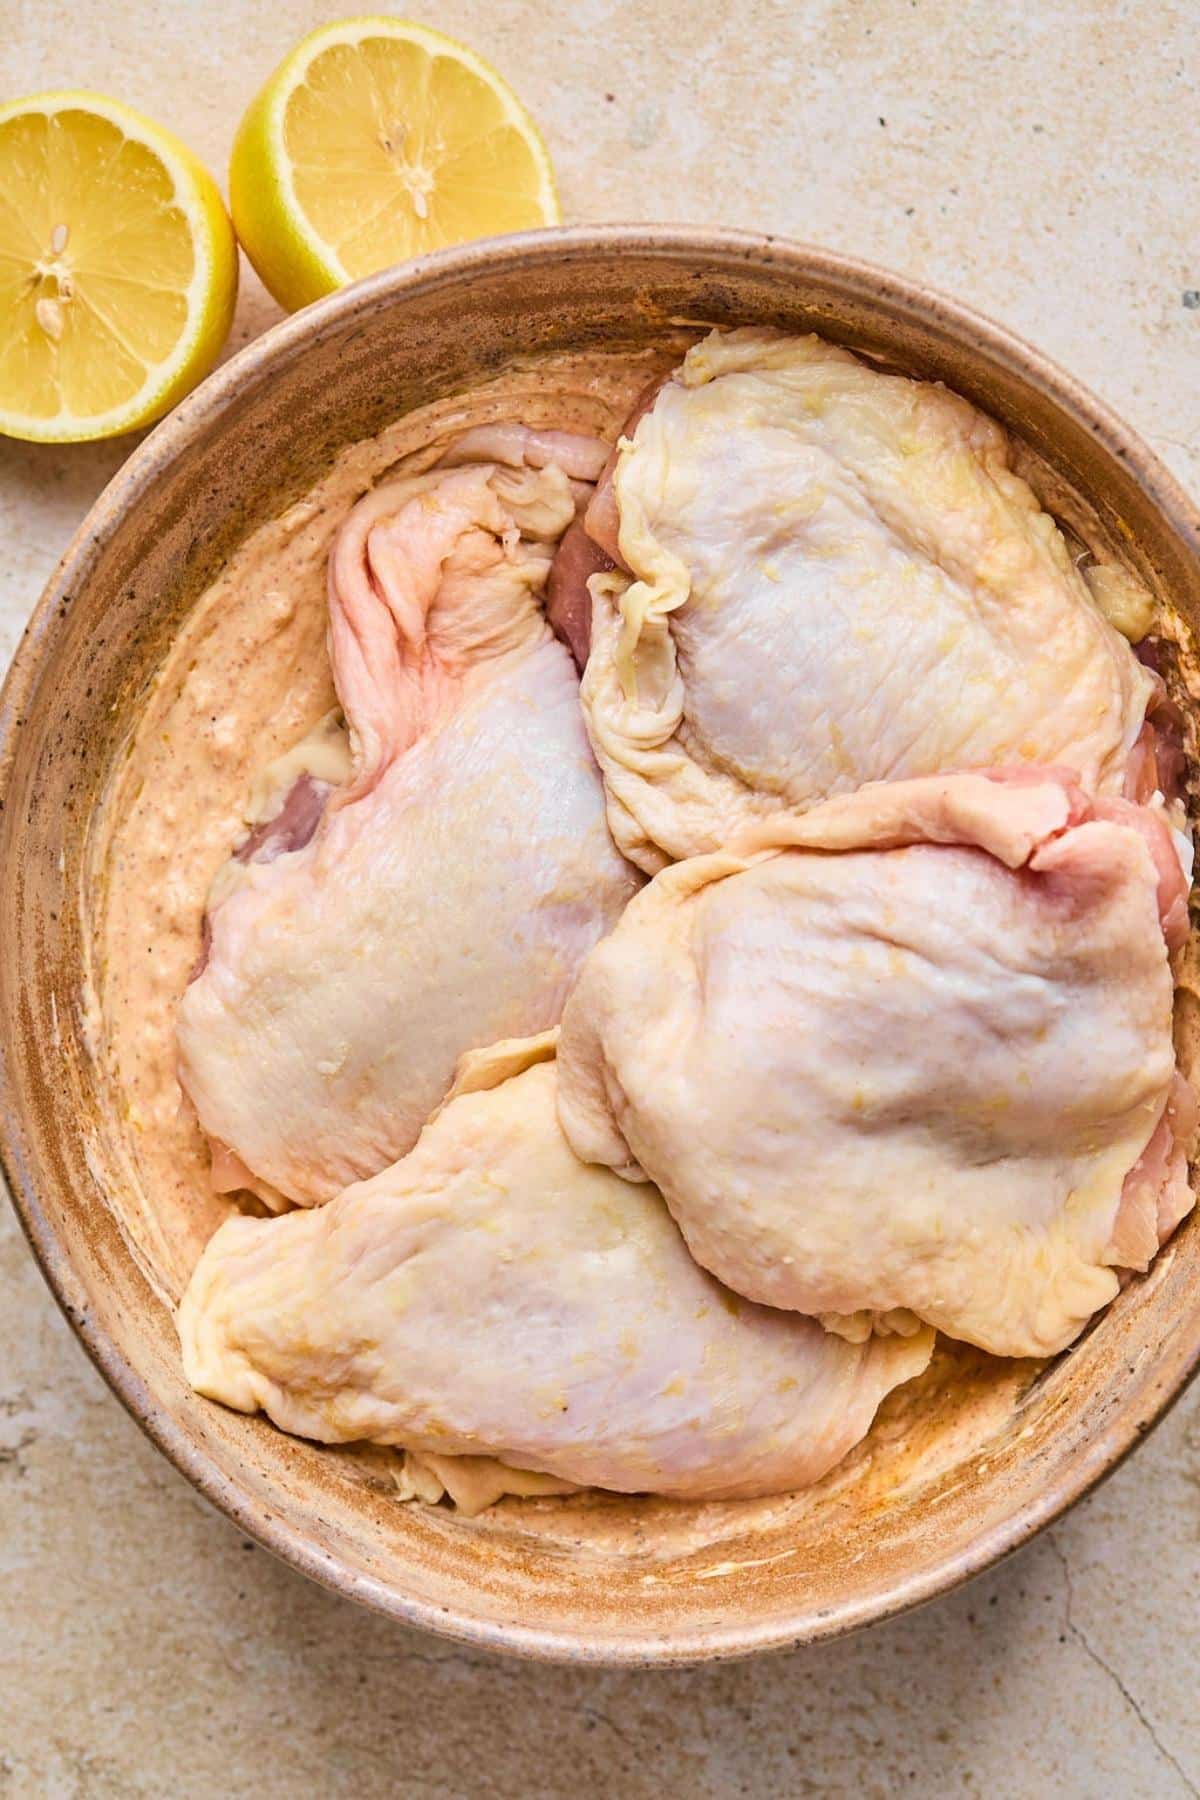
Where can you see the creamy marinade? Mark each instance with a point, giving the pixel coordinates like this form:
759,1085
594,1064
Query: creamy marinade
246,678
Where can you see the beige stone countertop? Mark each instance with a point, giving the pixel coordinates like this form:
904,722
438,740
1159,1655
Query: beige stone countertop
1041,161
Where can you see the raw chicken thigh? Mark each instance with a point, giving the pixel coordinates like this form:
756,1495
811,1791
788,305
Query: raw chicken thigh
446,894
908,1054
490,1294
830,576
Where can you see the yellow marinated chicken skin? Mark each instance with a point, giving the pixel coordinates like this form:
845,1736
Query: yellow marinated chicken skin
492,1295
911,1052
832,576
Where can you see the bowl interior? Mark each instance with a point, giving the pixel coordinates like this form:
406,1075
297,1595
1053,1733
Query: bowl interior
953,1475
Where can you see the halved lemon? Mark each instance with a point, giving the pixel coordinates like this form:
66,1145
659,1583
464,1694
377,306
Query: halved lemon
118,268
376,140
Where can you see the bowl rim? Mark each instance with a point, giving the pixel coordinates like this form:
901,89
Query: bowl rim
1179,1358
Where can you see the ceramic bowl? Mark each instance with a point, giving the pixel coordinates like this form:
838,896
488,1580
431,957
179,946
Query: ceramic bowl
939,1491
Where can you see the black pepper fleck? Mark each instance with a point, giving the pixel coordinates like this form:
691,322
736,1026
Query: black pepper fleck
1191,299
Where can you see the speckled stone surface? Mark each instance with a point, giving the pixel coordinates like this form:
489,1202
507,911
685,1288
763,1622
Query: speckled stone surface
1039,161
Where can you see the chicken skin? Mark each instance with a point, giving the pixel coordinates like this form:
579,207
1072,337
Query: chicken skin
909,1054
492,1295
444,895
828,576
